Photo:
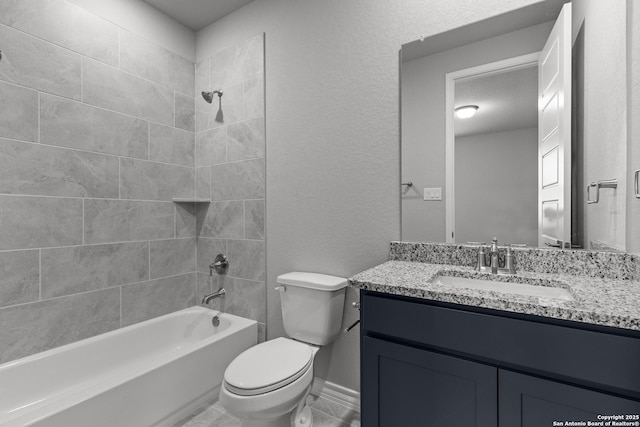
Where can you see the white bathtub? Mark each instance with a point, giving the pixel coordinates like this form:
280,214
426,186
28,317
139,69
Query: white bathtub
149,374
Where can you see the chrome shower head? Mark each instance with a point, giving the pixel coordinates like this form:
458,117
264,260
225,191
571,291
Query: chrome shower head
208,96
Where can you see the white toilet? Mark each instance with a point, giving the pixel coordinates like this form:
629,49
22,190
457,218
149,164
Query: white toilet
268,384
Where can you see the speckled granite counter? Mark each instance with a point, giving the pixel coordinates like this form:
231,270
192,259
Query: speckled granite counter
600,301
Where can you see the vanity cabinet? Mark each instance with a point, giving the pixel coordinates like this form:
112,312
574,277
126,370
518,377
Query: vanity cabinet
425,363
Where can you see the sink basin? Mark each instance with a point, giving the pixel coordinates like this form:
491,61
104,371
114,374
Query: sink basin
506,287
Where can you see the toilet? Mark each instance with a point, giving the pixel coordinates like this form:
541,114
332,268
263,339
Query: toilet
268,384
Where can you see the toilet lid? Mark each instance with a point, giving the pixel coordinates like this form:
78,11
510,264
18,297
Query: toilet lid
268,366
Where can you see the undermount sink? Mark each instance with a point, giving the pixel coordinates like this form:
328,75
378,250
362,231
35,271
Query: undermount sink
506,287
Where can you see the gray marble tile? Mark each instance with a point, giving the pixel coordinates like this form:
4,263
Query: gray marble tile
185,220
202,85
31,62
75,125
254,97
18,112
222,220
245,298
19,277
39,222
321,419
31,328
238,180
171,145
172,257
202,73
211,147
207,250
210,417
155,63
203,182
238,62
245,140
78,269
64,24
246,259
108,221
185,111
144,180
35,169
143,301
110,88
254,219
335,410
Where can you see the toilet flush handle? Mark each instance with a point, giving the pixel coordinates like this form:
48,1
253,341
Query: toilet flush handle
281,289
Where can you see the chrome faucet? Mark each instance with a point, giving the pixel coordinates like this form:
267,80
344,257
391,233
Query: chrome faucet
207,298
495,264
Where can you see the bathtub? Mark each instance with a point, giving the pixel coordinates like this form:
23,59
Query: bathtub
152,373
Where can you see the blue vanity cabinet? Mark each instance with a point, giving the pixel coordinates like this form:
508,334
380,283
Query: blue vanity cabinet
425,363
526,400
408,386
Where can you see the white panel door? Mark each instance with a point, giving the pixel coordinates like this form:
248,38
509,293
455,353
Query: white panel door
554,135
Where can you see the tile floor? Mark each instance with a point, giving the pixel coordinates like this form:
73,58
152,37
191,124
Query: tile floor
326,413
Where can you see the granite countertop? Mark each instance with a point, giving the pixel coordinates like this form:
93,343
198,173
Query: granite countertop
608,302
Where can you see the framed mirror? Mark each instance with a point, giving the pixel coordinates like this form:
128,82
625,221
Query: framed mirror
498,173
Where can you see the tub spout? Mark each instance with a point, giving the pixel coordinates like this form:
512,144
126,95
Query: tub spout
208,298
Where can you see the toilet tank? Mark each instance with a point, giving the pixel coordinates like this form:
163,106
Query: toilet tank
312,306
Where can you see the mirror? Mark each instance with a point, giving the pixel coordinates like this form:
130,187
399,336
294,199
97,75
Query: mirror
486,182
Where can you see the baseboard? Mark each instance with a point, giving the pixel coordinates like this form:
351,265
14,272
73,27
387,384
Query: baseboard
336,393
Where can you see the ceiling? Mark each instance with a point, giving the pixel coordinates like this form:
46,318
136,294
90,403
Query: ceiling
197,14
506,101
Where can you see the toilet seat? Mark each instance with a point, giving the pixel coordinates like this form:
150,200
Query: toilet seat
268,366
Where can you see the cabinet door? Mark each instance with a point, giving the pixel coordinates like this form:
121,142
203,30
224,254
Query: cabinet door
526,401
406,386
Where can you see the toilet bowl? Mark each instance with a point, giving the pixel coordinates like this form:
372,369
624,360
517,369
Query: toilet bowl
268,384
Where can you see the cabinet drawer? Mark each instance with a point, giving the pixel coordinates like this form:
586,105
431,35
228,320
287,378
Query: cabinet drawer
594,357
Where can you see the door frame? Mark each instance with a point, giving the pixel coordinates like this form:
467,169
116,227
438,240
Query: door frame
485,70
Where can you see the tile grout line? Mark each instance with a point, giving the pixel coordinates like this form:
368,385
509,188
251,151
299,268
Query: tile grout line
83,230
39,274
39,112
99,153
119,178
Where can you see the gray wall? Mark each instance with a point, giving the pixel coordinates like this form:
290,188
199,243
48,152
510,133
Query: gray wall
332,131
496,187
230,170
423,122
96,138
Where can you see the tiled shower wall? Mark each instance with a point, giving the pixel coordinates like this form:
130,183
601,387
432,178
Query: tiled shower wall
97,135
230,171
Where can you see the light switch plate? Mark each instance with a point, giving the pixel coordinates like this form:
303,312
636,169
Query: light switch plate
433,193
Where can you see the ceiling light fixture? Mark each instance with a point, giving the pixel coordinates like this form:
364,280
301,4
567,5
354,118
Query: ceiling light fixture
466,111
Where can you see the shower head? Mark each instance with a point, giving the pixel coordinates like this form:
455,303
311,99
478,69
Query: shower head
208,96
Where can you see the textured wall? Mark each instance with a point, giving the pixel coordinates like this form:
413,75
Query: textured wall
423,122
96,137
230,168
496,187
332,131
